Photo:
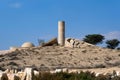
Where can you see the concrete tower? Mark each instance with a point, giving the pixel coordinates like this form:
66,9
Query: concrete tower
61,33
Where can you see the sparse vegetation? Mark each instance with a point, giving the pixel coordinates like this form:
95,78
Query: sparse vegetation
112,44
12,63
75,76
93,38
98,38
41,42
118,48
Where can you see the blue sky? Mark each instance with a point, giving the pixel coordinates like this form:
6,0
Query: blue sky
29,20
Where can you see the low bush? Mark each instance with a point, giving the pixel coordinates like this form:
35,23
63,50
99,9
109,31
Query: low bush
74,76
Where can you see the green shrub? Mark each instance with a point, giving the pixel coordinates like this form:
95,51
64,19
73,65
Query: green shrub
74,76
94,38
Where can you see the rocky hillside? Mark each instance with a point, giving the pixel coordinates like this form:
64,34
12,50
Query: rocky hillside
86,56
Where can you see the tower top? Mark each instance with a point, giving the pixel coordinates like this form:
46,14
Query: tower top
61,21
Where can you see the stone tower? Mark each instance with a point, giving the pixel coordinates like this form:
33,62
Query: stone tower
61,33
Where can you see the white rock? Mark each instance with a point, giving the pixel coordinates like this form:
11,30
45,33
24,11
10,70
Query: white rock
36,72
28,74
58,70
65,69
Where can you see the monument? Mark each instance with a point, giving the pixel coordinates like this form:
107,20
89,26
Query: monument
61,33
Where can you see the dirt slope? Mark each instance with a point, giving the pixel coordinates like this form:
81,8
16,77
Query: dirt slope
87,56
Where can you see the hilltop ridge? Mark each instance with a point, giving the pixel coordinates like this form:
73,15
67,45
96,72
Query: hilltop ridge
49,57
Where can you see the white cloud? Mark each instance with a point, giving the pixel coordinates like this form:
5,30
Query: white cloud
15,5
113,35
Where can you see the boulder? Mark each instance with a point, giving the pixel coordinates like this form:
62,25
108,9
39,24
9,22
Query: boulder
73,43
21,75
67,42
76,43
28,74
65,70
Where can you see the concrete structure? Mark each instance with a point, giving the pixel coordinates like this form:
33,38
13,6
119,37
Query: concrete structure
61,33
27,45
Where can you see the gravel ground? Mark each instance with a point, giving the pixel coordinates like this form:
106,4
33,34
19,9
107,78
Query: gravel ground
50,57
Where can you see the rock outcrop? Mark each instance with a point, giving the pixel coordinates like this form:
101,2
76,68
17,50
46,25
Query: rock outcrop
75,43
